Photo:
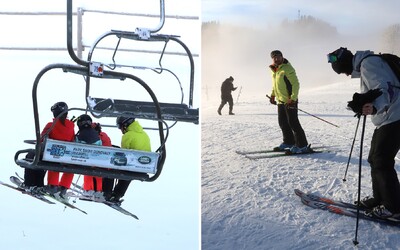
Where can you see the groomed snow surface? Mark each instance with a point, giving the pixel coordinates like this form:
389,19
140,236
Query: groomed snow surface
250,204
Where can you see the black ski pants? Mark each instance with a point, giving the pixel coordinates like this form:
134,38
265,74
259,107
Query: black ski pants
120,188
290,125
385,184
33,177
226,99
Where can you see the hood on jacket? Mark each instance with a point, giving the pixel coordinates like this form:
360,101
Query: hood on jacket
358,57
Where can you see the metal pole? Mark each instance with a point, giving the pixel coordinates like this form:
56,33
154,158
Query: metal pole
359,182
351,150
79,46
310,114
240,91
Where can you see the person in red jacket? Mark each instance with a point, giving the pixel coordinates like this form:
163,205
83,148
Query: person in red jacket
63,130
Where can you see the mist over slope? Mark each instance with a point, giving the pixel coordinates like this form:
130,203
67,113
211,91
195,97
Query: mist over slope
243,52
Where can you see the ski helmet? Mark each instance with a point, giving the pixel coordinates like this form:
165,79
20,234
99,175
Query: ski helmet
123,121
276,53
58,108
341,60
84,121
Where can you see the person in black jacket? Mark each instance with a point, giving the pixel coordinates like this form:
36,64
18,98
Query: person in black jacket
226,95
88,135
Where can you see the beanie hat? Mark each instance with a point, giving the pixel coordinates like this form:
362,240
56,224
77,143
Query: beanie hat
341,60
276,53
230,78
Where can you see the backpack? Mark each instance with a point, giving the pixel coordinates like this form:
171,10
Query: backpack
393,61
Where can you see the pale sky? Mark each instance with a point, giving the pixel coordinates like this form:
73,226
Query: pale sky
169,208
348,16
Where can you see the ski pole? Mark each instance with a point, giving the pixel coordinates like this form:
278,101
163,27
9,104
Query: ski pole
240,91
311,115
359,181
351,150
315,117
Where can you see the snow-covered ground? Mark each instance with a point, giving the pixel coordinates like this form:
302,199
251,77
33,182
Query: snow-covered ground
250,204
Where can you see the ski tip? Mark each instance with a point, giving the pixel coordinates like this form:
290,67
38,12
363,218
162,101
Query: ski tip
298,192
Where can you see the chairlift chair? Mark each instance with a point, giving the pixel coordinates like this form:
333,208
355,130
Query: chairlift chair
80,158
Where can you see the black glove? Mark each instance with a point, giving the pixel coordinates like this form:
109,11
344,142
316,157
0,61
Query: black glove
292,104
272,100
360,99
97,127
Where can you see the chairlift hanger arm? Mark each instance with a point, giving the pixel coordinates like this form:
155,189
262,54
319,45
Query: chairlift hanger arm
157,38
70,48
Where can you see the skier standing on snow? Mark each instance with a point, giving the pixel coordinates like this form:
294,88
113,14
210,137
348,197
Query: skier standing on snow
285,91
226,95
63,130
384,108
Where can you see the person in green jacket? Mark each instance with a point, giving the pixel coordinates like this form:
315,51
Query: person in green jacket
285,91
134,137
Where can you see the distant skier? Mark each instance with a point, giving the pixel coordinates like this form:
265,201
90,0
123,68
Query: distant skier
380,98
226,95
285,91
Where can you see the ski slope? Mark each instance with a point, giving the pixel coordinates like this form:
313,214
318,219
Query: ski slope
250,204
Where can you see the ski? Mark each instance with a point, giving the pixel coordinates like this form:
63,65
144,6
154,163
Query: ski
266,151
79,194
113,205
23,191
319,198
65,202
18,179
280,154
345,210
257,152
120,209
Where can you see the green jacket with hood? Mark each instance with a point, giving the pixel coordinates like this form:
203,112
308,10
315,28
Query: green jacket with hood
136,138
285,83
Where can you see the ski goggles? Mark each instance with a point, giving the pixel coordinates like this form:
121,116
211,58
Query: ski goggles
86,123
334,56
